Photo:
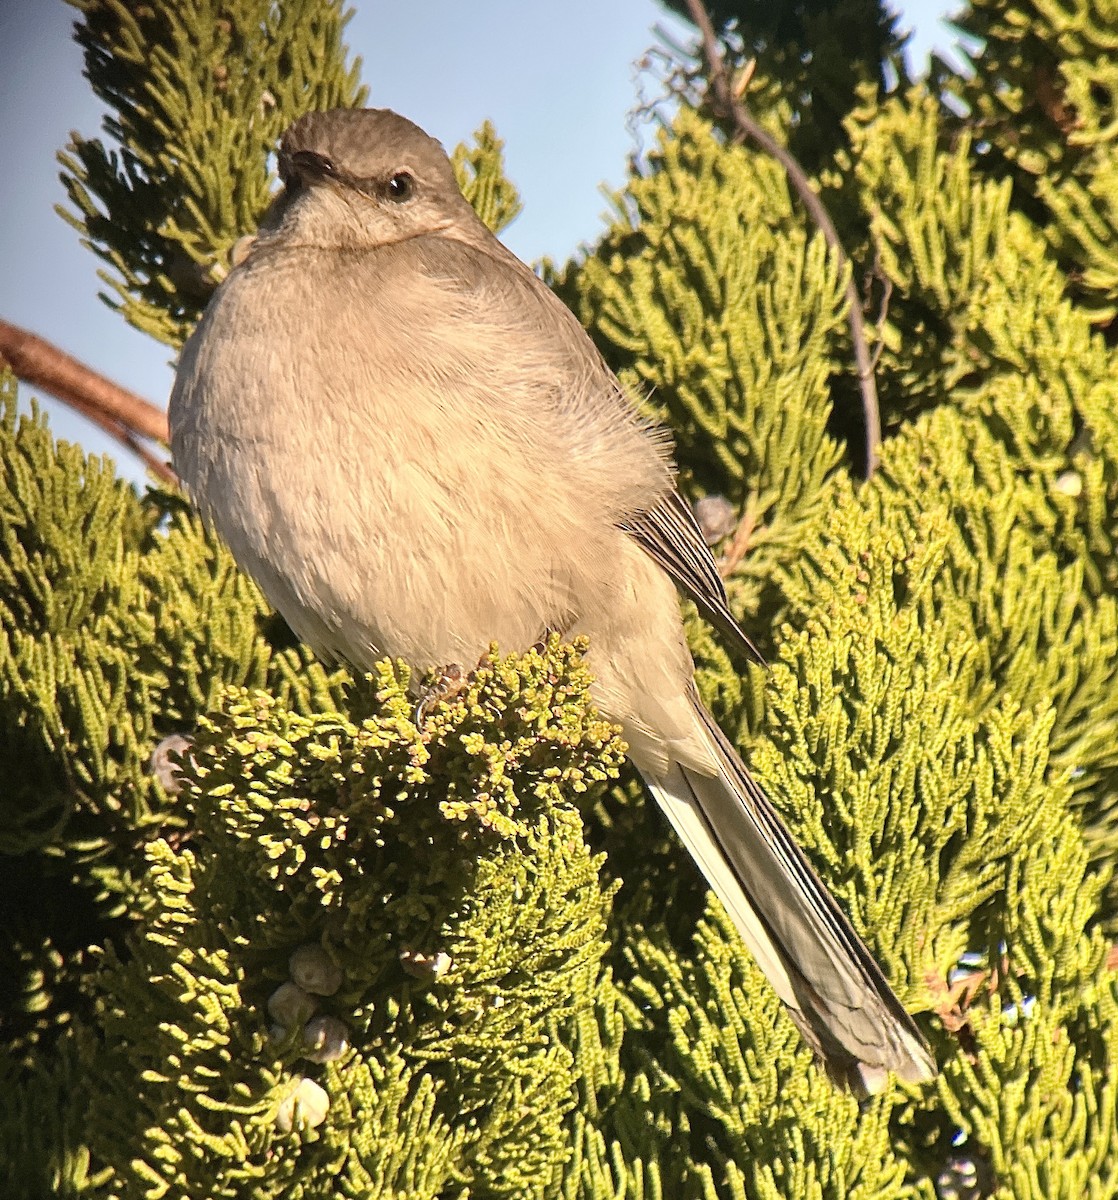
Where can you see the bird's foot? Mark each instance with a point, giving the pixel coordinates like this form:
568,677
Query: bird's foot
446,684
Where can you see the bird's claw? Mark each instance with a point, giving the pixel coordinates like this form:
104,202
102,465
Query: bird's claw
450,680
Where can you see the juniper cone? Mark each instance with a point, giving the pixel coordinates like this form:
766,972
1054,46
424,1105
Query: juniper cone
415,449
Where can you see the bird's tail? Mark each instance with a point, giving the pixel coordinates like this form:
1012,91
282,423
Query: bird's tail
820,968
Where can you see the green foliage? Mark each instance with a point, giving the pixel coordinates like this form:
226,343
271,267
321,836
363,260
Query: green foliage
946,673
712,299
371,838
811,58
539,996
978,321
200,93
44,1140
120,622
891,731
1043,91
481,176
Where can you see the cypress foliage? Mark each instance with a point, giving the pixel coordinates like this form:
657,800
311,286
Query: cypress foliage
1044,92
511,979
809,60
374,841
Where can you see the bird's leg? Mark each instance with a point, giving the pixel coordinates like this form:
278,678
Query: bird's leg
452,678
447,682
561,627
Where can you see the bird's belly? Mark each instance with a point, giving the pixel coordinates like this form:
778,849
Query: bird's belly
386,510
419,562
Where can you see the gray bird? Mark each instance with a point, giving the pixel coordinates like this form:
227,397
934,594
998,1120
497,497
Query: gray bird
415,449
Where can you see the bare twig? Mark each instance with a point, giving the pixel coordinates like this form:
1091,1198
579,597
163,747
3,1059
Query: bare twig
124,435
883,311
747,126
120,413
740,543
38,362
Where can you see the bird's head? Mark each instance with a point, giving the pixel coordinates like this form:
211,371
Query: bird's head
362,178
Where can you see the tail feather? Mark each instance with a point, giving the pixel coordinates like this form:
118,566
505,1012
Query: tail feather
819,967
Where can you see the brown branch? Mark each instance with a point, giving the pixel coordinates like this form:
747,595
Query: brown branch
883,311
739,545
120,413
733,107
125,436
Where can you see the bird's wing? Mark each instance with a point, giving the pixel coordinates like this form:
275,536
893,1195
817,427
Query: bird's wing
669,533
665,529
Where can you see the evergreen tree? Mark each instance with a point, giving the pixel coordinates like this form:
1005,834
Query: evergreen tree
332,947
1043,96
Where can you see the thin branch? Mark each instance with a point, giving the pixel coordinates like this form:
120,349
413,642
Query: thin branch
740,543
38,362
878,272
120,413
127,438
735,109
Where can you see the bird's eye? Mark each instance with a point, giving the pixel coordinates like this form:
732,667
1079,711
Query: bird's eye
401,186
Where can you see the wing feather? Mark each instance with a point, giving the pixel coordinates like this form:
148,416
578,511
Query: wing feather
670,534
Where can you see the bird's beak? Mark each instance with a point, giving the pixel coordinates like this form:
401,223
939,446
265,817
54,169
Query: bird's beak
306,167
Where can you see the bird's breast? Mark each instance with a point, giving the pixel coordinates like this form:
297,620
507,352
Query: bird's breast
384,505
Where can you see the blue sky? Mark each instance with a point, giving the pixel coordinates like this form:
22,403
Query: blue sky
557,77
